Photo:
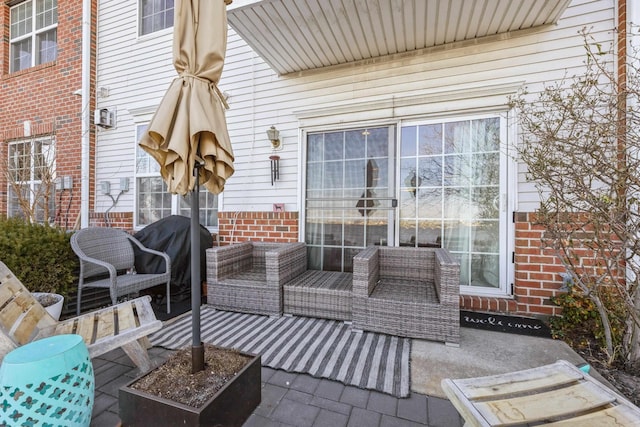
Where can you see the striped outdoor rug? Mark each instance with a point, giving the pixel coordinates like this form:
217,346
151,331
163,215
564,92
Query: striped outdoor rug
321,348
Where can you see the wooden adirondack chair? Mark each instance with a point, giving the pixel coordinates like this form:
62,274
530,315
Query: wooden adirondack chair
126,325
558,394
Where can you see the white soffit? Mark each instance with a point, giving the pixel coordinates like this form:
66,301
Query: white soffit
297,35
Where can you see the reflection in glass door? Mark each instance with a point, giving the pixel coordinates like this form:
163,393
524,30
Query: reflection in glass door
450,194
349,184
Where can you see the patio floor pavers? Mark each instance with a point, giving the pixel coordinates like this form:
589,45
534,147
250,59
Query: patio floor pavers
289,399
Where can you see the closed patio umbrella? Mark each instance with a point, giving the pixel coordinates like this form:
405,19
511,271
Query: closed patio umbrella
190,123
188,133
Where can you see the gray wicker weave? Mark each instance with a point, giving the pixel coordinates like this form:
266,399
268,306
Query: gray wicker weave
248,277
412,292
314,293
325,294
103,251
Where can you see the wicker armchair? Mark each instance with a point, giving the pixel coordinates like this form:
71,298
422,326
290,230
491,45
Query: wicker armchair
248,277
109,252
412,292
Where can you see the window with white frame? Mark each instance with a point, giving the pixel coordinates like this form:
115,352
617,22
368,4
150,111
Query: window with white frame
31,187
153,200
155,15
33,34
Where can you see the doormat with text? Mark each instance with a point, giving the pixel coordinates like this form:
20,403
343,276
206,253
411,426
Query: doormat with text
501,323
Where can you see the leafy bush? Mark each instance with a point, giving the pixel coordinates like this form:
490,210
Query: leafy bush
580,320
39,255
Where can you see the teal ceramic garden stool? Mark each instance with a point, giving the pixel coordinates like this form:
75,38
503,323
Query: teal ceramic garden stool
48,382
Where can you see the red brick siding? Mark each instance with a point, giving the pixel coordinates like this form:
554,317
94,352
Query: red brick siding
258,226
536,279
122,220
43,95
537,270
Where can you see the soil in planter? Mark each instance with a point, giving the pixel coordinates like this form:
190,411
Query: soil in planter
46,300
174,381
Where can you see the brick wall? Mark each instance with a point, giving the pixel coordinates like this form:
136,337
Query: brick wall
537,276
43,95
122,220
258,226
537,270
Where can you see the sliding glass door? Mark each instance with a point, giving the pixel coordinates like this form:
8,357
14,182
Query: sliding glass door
442,185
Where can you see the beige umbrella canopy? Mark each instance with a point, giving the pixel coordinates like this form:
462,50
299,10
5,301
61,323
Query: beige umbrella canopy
189,124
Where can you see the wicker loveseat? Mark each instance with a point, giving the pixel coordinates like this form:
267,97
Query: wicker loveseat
412,292
248,277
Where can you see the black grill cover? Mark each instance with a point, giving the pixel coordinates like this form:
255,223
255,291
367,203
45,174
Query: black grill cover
173,236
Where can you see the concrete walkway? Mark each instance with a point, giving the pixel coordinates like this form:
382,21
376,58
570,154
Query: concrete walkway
482,353
290,399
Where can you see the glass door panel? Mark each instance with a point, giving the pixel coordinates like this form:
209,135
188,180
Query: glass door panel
449,183
348,196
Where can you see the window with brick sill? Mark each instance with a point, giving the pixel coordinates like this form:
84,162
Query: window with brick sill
153,200
155,15
33,34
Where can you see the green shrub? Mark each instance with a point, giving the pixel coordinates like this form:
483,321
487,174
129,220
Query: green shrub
580,320
39,255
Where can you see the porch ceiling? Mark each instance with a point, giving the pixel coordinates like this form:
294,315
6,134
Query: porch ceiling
296,35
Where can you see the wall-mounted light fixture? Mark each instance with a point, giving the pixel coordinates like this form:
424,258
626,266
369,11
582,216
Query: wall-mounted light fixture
274,136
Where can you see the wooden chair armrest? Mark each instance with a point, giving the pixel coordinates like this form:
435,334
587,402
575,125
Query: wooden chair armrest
557,394
99,330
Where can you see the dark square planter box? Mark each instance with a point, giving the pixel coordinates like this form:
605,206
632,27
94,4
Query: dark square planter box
231,406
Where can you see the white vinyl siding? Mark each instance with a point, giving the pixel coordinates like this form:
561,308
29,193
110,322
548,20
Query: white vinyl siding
454,79
132,91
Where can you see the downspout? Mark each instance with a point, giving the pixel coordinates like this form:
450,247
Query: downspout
85,112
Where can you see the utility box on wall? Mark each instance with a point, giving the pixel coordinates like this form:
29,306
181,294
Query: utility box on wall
104,118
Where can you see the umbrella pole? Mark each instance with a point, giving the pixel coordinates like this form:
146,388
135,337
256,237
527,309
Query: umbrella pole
197,349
